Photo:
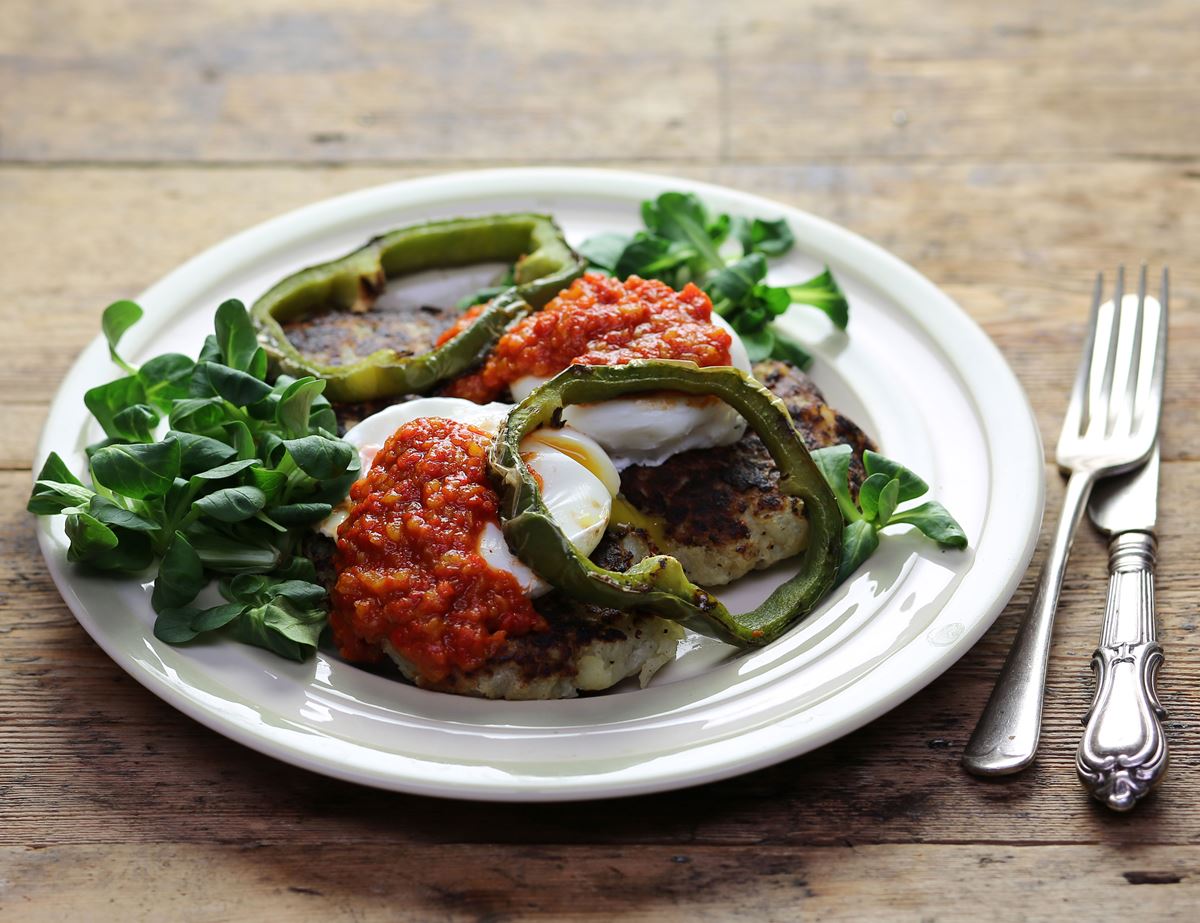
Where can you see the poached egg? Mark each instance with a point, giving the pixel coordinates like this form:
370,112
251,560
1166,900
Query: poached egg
648,429
578,480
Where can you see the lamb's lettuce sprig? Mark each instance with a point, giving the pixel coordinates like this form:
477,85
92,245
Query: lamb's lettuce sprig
888,484
284,612
682,243
206,470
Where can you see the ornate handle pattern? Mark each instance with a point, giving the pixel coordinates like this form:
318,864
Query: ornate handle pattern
1123,752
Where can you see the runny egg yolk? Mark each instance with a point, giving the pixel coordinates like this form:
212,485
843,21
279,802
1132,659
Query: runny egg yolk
584,451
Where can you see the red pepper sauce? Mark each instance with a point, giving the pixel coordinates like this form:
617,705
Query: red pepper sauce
599,320
408,567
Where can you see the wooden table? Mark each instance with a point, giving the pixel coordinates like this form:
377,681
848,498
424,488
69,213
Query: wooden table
1007,151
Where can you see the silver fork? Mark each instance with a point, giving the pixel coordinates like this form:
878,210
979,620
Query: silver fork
1111,426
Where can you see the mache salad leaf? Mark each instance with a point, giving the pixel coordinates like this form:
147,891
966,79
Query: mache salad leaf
209,470
726,256
887,485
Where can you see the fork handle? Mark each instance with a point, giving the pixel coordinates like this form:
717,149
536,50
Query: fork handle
1123,751
1006,737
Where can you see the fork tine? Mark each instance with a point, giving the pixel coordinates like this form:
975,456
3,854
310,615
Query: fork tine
1102,412
1079,407
1153,409
1124,418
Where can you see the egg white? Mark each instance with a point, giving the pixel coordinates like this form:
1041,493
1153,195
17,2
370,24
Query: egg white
649,429
578,479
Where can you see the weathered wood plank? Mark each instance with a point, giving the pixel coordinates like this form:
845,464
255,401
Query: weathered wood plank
329,80
1007,254
1016,245
21,426
767,81
1026,81
380,881
74,723
1007,153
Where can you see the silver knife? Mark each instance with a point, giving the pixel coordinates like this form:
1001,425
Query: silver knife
1123,752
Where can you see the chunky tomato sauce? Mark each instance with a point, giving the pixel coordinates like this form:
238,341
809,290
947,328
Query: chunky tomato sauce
599,320
408,569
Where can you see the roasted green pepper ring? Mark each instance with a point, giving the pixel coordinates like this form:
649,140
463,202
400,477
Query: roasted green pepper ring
659,584
545,264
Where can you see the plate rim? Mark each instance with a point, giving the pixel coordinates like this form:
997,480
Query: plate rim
604,182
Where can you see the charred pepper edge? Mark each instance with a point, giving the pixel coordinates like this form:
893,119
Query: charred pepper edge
659,583
545,264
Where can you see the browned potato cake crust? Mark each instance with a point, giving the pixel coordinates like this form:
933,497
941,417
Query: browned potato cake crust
388,321
720,510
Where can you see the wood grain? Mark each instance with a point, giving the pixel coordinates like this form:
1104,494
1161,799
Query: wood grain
969,81
644,883
1006,153
77,722
1017,246
333,81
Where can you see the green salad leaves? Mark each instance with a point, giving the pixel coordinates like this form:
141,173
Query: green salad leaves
682,242
205,468
284,612
888,484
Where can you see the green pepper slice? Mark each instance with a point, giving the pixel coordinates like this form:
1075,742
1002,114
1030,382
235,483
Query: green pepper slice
545,264
658,583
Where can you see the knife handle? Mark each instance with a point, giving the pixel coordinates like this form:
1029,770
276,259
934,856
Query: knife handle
1123,752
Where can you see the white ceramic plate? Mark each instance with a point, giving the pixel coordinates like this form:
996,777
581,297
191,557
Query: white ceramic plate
915,372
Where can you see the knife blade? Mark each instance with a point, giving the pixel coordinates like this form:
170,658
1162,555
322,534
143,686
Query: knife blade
1123,752
1127,502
